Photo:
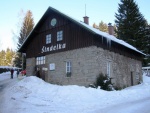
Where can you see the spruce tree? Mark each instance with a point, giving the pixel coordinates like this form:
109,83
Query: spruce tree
130,24
17,62
146,46
26,28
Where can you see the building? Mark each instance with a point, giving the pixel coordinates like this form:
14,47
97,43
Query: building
69,52
146,71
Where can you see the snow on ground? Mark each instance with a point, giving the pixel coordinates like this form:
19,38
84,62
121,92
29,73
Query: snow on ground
6,75
33,95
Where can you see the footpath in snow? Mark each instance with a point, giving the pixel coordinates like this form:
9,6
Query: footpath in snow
33,95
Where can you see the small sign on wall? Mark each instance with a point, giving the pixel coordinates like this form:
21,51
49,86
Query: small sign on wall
44,69
52,66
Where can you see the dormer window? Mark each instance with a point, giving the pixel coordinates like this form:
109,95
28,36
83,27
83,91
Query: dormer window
48,39
59,35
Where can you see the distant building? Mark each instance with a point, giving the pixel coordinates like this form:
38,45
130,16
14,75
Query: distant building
146,71
62,50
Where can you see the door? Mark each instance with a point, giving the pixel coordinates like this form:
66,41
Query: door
41,71
131,78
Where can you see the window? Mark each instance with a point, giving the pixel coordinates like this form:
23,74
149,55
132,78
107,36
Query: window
52,66
48,38
59,35
68,68
108,68
40,60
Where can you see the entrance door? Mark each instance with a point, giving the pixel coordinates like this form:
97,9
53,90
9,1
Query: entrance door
131,78
41,71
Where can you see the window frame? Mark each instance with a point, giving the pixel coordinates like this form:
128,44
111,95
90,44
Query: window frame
59,35
40,60
108,68
48,38
68,68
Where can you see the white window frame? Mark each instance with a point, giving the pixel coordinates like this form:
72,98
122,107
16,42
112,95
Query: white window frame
40,60
59,35
68,67
48,38
108,68
52,66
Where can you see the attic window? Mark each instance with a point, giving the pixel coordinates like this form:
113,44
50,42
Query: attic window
59,35
53,22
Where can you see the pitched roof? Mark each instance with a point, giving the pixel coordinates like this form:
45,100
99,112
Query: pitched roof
82,24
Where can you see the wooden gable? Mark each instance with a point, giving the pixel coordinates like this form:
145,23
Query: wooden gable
75,35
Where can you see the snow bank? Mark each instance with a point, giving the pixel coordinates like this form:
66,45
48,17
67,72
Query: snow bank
32,95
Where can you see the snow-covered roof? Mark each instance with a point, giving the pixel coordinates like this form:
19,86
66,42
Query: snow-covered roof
90,28
146,67
111,37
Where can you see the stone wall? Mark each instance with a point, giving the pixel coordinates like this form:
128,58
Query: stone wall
88,63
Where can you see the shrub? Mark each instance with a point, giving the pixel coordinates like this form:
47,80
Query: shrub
104,82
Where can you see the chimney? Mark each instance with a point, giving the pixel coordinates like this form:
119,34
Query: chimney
86,20
110,29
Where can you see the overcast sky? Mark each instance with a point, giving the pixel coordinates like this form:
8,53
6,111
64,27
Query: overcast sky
96,10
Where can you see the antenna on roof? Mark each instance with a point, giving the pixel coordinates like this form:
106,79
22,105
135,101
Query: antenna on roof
85,9
86,19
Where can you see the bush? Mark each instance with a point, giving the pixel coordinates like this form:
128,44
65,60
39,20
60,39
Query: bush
104,82
2,70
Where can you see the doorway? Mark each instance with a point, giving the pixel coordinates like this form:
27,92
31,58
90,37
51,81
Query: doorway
41,71
131,78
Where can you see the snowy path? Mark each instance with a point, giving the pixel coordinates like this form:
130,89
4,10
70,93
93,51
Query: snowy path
3,86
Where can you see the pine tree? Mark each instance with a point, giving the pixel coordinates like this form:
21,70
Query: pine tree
2,58
26,28
103,27
95,26
6,57
9,56
130,23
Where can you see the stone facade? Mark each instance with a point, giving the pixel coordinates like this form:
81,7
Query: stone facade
87,64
